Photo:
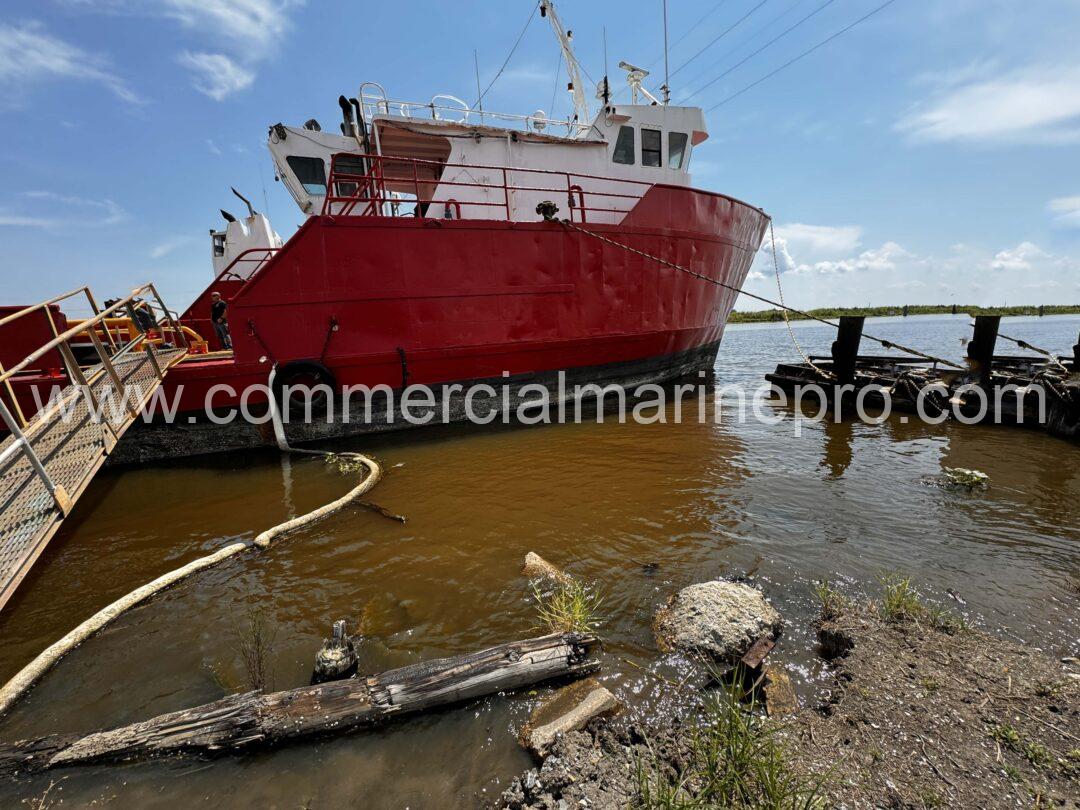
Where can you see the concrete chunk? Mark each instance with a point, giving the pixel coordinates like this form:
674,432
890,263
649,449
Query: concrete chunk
569,709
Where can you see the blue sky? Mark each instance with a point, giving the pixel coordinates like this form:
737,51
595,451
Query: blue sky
930,154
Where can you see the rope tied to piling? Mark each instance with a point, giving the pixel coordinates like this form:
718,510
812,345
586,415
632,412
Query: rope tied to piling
779,305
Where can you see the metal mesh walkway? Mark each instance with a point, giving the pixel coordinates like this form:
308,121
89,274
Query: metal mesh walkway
47,461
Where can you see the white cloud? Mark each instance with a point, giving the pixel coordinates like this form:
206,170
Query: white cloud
48,209
29,54
882,258
1022,257
891,274
251,24
1066,211
216,75
164,248
1038,104
821,239
247,31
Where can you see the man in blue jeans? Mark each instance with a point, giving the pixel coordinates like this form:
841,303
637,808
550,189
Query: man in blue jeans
219,315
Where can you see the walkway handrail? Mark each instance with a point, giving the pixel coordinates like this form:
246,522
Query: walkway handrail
83,326
43,304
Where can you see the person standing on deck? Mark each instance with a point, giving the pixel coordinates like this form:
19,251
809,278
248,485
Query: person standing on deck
219,315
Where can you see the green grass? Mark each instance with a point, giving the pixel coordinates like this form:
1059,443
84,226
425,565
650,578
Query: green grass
831,600
776,315
568,607
899,601
735,761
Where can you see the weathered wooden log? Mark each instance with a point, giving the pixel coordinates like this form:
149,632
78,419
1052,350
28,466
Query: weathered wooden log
251,720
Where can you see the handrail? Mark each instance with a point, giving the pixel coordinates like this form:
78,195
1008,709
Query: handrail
43,304
381,105
83,326
270,251
370,188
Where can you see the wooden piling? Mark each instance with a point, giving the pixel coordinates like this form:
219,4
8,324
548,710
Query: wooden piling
981,348
845,349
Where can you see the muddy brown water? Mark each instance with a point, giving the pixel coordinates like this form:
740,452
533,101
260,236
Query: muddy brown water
840,501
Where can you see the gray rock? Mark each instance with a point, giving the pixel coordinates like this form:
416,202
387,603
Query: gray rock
720,619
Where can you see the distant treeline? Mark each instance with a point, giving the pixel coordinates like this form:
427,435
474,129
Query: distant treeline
770,315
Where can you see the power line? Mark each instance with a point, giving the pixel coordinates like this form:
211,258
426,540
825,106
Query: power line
676,43
694,27
727,31
510,55
772,41
805,53
747,41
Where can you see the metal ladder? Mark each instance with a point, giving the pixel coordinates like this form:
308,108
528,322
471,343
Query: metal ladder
48,460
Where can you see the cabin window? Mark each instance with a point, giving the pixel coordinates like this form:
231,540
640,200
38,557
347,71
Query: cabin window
676,149
219,242
624,146
348,164
311,172
650,147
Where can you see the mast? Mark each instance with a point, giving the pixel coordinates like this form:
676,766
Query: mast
581,106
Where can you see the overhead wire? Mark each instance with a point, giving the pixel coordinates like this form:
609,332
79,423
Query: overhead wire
509,56
722,34
768,44
802,55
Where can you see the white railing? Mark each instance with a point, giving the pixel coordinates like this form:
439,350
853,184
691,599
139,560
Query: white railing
444,107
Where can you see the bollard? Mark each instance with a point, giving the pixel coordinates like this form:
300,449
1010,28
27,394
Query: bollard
336,659
845,350
980,350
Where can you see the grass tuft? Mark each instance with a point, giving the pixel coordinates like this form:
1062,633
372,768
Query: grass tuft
900,602
734,761
832,601
568,607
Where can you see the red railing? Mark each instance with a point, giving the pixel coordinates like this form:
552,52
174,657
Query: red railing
371,193
247,257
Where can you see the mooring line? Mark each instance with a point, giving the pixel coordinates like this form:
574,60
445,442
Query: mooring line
30,674
888,344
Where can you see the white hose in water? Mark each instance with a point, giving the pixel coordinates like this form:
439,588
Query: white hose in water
47,659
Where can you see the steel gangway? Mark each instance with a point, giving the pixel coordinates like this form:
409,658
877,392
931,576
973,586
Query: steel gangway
48,459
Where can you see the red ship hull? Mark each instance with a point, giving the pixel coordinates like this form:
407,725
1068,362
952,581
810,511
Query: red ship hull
471,299
402,300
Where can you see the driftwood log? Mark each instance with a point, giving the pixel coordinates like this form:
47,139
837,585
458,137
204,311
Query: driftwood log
251,720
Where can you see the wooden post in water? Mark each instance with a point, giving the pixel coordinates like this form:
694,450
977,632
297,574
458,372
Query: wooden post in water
981,348
845,349
1076,355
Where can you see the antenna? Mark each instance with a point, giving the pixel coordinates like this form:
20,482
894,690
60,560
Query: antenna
667,77
479,95
607,88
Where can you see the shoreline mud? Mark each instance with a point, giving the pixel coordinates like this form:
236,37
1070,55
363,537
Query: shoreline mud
920,711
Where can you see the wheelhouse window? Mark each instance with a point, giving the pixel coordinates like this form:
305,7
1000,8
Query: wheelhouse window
650,147
310,171
676,149
624,147
349,165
